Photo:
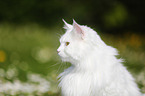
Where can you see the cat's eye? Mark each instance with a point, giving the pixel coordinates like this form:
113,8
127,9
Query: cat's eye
66,43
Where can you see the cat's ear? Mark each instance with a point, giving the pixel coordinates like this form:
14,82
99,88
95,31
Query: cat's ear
78,29
66,25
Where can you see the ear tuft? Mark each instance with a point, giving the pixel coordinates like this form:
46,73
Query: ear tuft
66,26
77,28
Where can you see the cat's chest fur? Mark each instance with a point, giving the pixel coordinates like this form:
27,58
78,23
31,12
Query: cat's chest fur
114,82
76,83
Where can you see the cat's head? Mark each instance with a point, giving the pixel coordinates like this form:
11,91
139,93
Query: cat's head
78,42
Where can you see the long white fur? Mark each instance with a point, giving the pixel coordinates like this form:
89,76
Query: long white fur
95,70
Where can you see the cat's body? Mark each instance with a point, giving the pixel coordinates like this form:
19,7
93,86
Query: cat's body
95,70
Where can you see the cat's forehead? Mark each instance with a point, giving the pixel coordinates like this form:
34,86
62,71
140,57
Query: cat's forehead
65,37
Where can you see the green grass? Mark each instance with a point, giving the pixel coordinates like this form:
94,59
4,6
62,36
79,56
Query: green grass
29,51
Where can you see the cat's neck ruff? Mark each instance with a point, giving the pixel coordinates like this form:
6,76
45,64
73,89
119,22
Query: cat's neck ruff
92,62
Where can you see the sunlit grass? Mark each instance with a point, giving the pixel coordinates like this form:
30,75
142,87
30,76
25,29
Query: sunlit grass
28,58
28,50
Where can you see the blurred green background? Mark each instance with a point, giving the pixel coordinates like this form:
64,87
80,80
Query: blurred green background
29,37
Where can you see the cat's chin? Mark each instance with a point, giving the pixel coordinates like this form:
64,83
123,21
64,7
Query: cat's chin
67,59
64,59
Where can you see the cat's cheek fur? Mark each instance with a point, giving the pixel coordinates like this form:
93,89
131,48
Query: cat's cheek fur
70,52
76,52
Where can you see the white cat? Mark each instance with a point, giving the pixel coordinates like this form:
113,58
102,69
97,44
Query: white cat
95,70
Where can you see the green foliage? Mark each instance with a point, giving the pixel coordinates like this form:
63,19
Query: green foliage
109,16
116,17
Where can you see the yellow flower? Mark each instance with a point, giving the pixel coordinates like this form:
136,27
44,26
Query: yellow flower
2,56
135,41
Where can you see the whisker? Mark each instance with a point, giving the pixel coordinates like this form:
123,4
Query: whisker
54,65
59,67
59,35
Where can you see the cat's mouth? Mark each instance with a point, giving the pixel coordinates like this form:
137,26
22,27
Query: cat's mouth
64,59
62,56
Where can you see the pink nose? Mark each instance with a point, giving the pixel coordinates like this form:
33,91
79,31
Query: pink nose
58,51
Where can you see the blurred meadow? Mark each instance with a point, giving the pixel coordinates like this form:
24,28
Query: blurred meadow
30,32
